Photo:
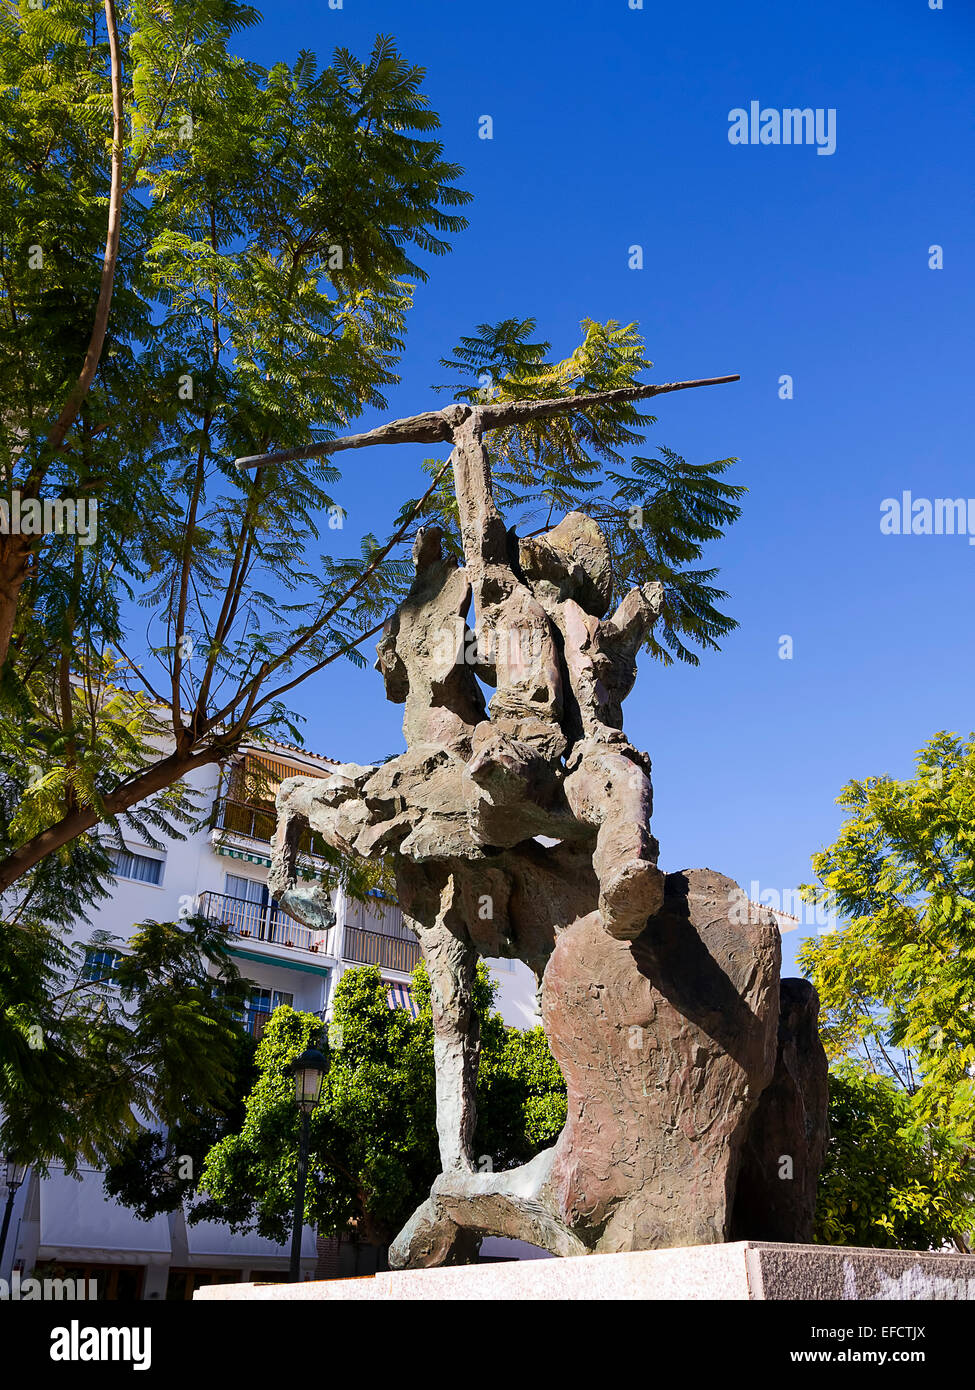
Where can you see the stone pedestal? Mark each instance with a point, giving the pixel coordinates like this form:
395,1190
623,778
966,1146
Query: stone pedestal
741,1270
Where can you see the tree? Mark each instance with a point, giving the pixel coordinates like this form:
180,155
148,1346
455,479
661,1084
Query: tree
258,270
374,1147
887,1181
897,979
156,1171
86,1041
264,232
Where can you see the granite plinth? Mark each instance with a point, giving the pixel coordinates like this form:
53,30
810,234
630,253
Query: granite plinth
741,1270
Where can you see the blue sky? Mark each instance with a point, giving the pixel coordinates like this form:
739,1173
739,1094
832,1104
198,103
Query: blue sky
611,129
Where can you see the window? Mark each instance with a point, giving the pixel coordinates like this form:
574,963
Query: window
121,1283
244,902
126,864
261,1006
267,1000
249,889
249,909
99,964
182,1282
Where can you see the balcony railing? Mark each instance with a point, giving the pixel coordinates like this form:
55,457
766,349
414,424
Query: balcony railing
376,948
257,823
255,1021
257,922
263,922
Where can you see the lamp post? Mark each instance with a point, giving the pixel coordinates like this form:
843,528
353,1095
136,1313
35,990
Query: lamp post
15,1174
308,1071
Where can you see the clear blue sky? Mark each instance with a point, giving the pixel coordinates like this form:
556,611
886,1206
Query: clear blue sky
611,128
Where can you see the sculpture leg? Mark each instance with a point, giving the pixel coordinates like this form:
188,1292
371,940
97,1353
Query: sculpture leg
518,1203
610,791
451,961
429,1238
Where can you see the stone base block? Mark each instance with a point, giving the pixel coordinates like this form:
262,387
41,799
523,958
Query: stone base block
742,1270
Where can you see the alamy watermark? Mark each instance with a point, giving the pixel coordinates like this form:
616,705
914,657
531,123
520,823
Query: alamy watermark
908,515
77,1343
49,516
791,910
521,646
793,125
54,1290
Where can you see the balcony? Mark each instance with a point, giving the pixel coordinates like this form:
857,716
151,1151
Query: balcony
258,822
393,947
378,948
376,934
254,923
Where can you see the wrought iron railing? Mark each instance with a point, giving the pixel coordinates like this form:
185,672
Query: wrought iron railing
257,922
263,922
376,948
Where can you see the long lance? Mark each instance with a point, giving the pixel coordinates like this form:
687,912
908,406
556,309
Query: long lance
438,426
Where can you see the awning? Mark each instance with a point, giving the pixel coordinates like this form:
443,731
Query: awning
285,962
400,997
244,854
207,1239
249,857
78,1218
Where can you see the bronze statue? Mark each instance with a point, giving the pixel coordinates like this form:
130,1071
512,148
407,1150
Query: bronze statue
522,829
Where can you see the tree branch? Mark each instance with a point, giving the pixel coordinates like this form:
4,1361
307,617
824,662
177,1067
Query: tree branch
90,365
250,689
144,784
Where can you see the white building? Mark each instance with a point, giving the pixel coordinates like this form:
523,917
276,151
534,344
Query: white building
221,871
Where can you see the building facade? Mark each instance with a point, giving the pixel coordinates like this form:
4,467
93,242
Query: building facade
62,1227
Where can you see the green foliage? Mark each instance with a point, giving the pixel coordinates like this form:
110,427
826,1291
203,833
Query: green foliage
521,1095
51,766
887,1181
274,224
155,1171
154,1033
373,1135
896,983
900,973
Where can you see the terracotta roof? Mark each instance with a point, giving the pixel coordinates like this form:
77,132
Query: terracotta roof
304,752
776,911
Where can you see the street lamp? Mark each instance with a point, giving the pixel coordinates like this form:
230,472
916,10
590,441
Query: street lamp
308,1071
15,1174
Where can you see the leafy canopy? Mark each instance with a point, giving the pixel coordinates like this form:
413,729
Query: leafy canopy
900,973
886,1182
657,512
274,225
896,983
85,1046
